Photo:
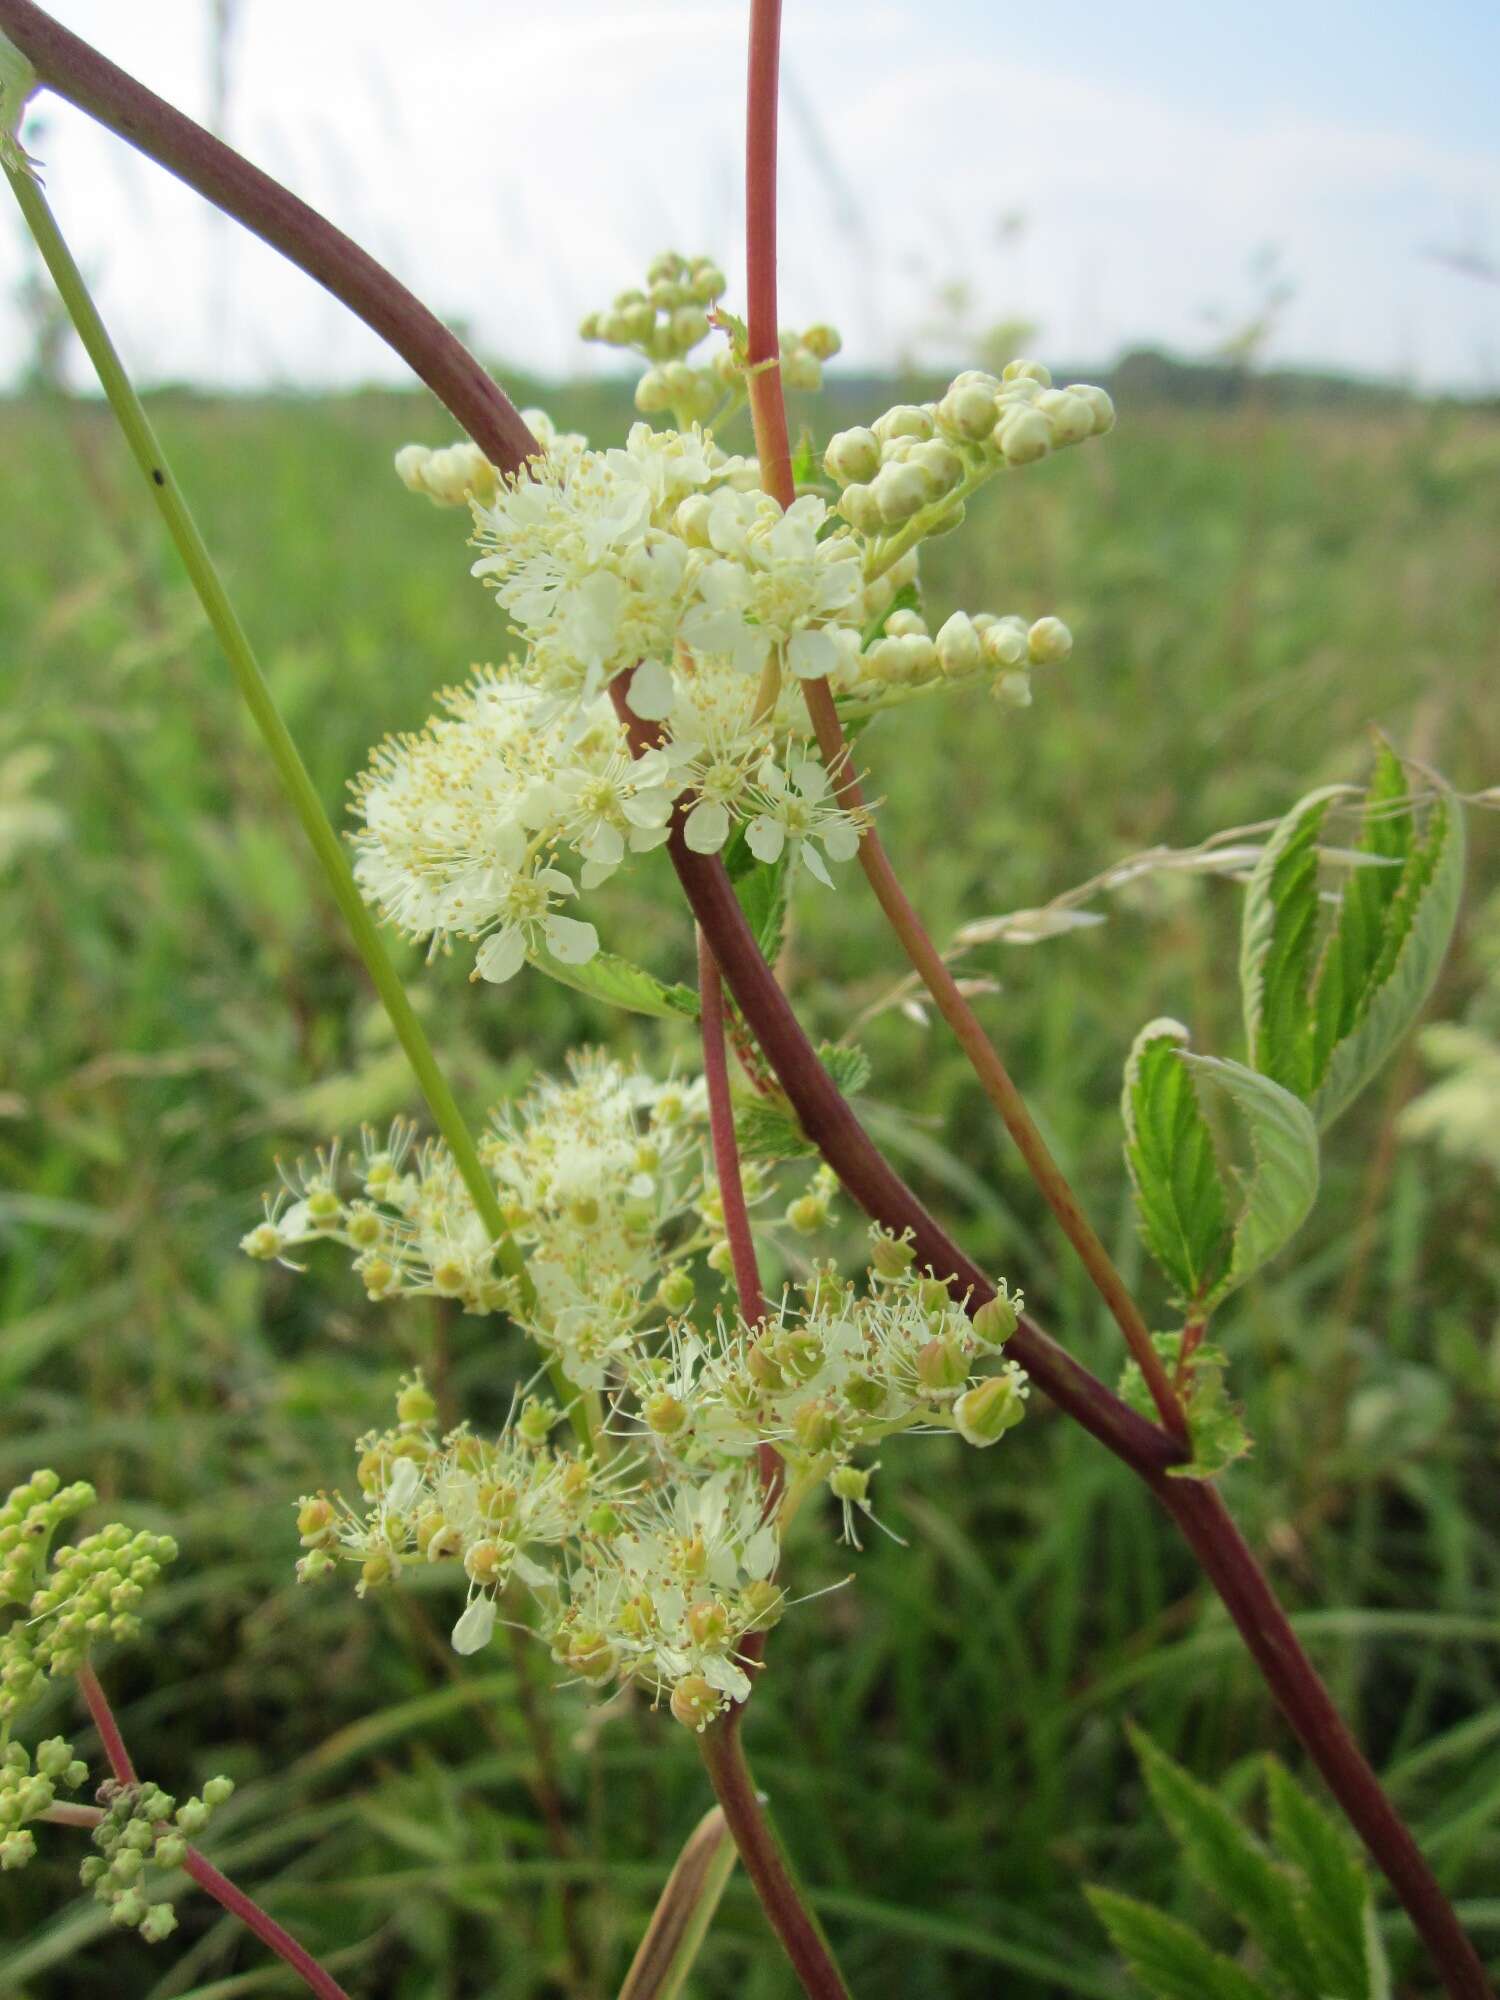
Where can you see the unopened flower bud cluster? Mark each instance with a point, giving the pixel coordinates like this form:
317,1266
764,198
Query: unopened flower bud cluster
59,1608
144,1827
28,1788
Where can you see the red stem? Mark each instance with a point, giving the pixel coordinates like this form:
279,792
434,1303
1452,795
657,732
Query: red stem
203,1872
103,1717
726,1152
763,351
725,1145
765,1863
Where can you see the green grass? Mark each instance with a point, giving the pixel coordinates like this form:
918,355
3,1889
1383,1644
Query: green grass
941,1740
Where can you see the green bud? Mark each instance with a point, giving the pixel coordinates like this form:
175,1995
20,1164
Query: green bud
852,456
807,1214
677,1291
170,1851
695,1702
942,1366
983,1414
850,1483
891,1256
159,1922
996,1320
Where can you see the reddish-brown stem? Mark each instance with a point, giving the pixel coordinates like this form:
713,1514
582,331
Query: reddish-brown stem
203,1872
763,350
725,1145
103,1717
726,1151
86,78
77,72
768,412
765,1863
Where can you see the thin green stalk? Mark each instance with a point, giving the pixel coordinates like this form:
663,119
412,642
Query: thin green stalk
293,773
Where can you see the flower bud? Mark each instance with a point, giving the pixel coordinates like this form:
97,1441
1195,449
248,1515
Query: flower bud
1023,437
265,1241
861,508
904,420
315,1519
415,1404
852,455
815,1428
807,1214
762,1366
982,1415
1099,402
652,393
1071,418
967,412
891,1256
639,321
689,326
676,1291
1026,371
1004,642
761,1604
801,370
1013,689
708,1622
800,1353
939,464
1048,642
997,1319
906,625
958,647
536,1420
865,1395
591,1655
695,1703
942,1366
822,341
486,1562
708,283
900,491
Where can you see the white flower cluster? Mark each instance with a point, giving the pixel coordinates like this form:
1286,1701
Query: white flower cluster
594,1175
661,560
655,1566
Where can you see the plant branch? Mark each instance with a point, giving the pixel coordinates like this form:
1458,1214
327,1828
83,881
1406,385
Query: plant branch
768,409
77,72
202,1871
765,1861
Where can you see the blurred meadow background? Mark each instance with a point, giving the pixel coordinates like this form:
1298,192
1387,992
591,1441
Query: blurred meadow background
1273,555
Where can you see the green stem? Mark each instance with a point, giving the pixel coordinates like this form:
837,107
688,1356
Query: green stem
295,781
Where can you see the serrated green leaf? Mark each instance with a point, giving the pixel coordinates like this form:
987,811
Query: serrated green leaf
1418,923
1165,1957
1278,944
847,1064
620,984
767,1128
1337,1906
1354,948
1179,1196
1233,1866
1283,1181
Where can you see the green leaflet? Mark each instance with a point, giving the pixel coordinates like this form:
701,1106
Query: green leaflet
1418,923
620,984
762,888
1234,1867
1165,1957
1322,1018
1180,1189
1335,1904
1283,1182
1278,943
766,1125
1216,1429
1304,1902
1179,1196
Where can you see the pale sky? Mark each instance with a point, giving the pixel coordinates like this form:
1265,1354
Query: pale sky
518,164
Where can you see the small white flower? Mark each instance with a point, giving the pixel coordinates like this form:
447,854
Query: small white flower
796,809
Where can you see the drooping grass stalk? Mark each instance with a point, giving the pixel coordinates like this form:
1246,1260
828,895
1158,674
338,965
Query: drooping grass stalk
298,786
224,1892
764,1861
768,414
684,1911
240,190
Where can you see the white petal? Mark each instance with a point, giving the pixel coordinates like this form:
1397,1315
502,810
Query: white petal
475,1625
816,865
605,846
502,955
841,840
812,655
653,692
706,828
402,1488
571,941
765,838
